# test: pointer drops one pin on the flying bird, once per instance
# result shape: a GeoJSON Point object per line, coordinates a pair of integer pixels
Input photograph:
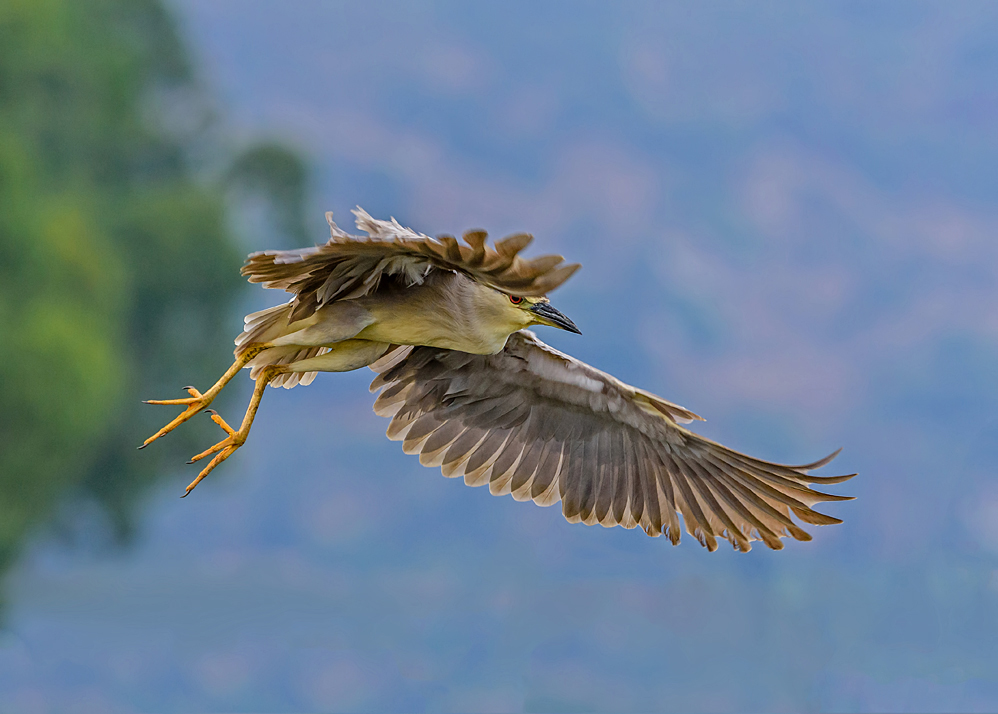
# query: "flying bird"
{"type": "Point", "coordinates": [471, 390]}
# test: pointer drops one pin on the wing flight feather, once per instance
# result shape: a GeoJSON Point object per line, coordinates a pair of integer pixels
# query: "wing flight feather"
{"type": "Point", "coordinates": [540, 425]}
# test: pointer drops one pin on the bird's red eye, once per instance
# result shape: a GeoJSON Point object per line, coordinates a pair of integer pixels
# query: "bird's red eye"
{"type": "Point", "coordinates": [515, 299]}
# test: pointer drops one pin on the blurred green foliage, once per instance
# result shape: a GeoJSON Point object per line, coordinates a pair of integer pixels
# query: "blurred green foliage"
{"type": "Point", "coordinates": [117, 268]}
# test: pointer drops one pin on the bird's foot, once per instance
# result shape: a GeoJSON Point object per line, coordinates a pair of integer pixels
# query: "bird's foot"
{"type": "Point", "coordinates": [223, 449]}
{"type": "Point", "coordinates": [195, 403]}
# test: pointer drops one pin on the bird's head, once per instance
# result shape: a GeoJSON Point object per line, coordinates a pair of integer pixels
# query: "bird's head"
{"type": "Point", "coordinates": [527, 311]}
{"type": "Point", "coordinates": [489, 316]}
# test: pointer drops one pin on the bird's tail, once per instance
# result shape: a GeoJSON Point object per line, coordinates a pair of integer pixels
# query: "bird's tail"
{"type": "Point", "coordinates": [267, 325]}
{"type": "Point", "coordinates": [263, 326]}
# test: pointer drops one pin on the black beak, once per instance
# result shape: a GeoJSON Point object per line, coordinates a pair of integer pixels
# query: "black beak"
{"type": "Point", "coordinates": [553, 317]}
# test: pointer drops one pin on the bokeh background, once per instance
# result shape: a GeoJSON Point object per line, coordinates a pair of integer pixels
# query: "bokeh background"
{"type": "Point", "coordinates": [788, 221]}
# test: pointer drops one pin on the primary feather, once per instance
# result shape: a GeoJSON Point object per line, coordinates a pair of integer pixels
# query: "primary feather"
{"type": "Point", "coordinates": [538, 424]}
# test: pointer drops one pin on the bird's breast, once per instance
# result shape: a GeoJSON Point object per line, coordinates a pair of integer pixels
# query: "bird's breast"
{"type": "Point", "coordinates": [432, 332]}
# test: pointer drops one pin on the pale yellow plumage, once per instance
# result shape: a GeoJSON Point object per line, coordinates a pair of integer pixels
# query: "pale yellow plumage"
{"type": "Point", "coordinates": [471, 391]}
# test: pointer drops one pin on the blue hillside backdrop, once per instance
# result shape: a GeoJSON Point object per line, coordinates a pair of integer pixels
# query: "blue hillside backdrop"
{"type": "Point", "coordinates": [787, 216]}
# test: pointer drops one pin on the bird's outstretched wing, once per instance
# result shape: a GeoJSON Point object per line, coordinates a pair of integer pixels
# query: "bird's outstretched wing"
{"type": "Point", "coordinates": [352, 266]}
{"type": "Point", "coordinates": [536, 423]}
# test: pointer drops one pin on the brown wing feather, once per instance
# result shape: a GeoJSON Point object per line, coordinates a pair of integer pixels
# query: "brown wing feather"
{"type": "Point", "coordinates": [539, 424]}
{"type": "Point", "coordinates": [351, 266]}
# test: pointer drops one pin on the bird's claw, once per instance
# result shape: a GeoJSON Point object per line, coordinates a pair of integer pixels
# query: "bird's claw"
{"type": "Point", "coordinates": [194, 403]}
{"type": "Point", "coordinates": [195, 396]}
{"type": "Point", "coordinates": [226, 452]}
{"type": "Point", "coordinates": [217, 418]}
{"type": "Point", "coordinates": [234, 438]}
{"type": "Point", "coordinates": [225, 448]}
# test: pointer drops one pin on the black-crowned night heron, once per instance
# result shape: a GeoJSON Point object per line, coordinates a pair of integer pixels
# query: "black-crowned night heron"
{"type": "Point", "coordinates": [472, 391]}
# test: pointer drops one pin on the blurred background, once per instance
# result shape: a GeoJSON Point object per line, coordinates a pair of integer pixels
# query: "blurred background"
{"type": "Point", "coordinates": [787, 218]}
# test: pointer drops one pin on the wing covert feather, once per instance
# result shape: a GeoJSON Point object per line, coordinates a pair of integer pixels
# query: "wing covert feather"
{"type": "Point", "coordinates": [538, 424]}
{"type": "Point", "coordinates": [350, 266]}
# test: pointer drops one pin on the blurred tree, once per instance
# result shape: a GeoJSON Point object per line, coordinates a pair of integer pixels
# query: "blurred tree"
{"type": "Point", "coordinates": [274, 180]}
{"type": "Point", "coordinates": [117, 268]}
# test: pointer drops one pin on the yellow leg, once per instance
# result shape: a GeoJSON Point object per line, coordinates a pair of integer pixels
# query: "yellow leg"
{"type": "Point", "coordinates": [227, 446]}
{"type": "Point", "coordinates": [197, 401]}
